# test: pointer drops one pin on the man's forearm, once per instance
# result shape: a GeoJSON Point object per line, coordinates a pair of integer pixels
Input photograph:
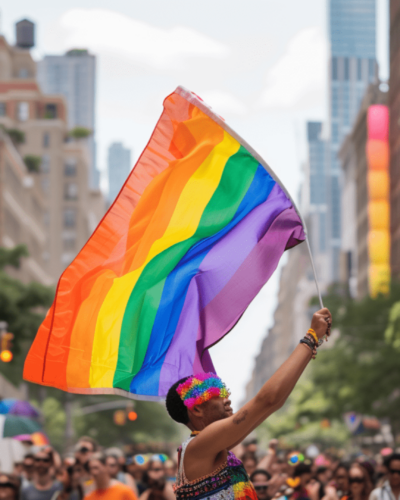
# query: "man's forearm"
{"type": "Point", "coordinates": [277, 389]}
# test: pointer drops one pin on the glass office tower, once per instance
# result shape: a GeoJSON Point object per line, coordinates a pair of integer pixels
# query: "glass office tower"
{"type": "Point", "coordinates": [353, 67]}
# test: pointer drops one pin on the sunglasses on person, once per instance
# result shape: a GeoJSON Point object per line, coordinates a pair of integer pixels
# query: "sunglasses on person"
{"type": "Point", "coordinates": [394, 471]}
{"type": "Point", "coordinates": [356, 480]}
{"type": "Point", "coordinates": [156, 470]}
{"type": "Point", "coordinates": [8, 484]}
{"type": "Point", "coordinates": [260, 487]}
{"type": "Point", "coordinates": [84, 449]}
{"type": "Point", "coordinates": [44, 460]}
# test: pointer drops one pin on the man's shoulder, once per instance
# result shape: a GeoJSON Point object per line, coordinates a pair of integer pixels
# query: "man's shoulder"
{"type": "Point", "coordinates": [377, 492]}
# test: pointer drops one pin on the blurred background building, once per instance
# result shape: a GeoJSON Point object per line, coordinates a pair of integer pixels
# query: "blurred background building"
{"type": "Point", "coordinates": [334, 196]}
{"type": "Point", "coordinates": [46, 201]}
{"type": "Point", "coordinates": [118, 167]}
{"type": "Point", "coordinates": [394, 108]}
{"type": "Point", "coordinates": [352, 33]}
{"type": "Point", "coordinates": [73, 75]}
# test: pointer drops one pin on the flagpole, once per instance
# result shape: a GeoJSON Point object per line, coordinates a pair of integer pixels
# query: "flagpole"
{"type": "Point", "coordinates": [315, 272]}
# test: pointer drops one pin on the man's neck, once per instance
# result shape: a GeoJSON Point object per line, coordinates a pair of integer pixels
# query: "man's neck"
{"type": "Point", "coordinates": [43, 482]}
{"type": "Point", "coordinates": [102, 483]}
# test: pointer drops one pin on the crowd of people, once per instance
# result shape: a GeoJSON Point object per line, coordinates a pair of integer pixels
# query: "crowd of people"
{"type": "Point", "coordinates": [92, 473]}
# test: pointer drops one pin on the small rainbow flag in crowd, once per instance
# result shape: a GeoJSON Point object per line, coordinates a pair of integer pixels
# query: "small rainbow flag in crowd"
{"type": "Point", "coordinates": [195, 232]}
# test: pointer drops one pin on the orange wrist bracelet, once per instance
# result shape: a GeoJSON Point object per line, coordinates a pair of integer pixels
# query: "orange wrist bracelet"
{"type": "Point", "coordinates": [314, 335]}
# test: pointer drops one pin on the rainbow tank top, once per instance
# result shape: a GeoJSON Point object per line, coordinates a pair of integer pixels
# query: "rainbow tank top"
{"type": "Point", "coordinates": [229, 482]}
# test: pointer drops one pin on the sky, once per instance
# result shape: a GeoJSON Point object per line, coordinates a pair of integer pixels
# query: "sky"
{"type": "Point", "coordinates": [261, 64]}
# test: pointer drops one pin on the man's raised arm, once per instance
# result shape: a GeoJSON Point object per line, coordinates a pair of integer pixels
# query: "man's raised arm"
{"type": "Point", "coordinates": [224, 434]}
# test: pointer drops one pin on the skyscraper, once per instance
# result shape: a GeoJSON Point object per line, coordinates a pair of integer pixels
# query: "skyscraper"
{"type": "Point", "coordinates": [74, 76]}
{"type": "Point", "coordinates": [352, 68]}
{"type": "Point", "coordinates": [394, 106]}
{"type": "Point", "coordinates": [119, 166]}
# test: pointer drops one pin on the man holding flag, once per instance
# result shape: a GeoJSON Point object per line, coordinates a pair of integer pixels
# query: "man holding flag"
{"type": "Point", "coordinates": [207, 469]}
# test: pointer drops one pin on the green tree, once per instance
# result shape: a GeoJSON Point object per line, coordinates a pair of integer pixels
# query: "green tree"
{"type": "Point", "coordinates": [80, 132]}
{"type": "Point", "coordinates": [361, 372]}
{"type": "Point", "coordinates": [23, 307]}
{"type": "Point", "coordinates": [32, 163]}
{"type": "Point", "coordinates": [300, 421]}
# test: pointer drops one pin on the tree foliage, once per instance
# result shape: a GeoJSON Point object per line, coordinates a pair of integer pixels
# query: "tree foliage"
{"type": "Point", "coordinates": [32, 163]}
{"type": "Point", "coordinates": [361, 372]}
{"type": "Point", "coordinates": [300, 421]}
{"type": "Point", "coordinates": [23, 307]}
{"type": "Point", "coordinates": [80, 132]}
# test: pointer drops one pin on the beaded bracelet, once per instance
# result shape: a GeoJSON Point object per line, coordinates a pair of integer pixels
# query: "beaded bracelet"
{"type": "Point", "coordinates": [313, 334]}
{"type": "Point", "coordinates": [308, 343]}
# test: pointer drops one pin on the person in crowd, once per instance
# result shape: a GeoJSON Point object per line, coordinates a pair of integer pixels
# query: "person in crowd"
{"type": "Point", "coordinates": [69, 477]}
{"type": "Point", "coordinates": [260, 478]}
{"type": "Point", "coordinates": [302, 476]}
{"type": "Point", "coordinates": [157, 487]}
{"type": "Point", "coordinates": [28, 469]}
{"type": "Point", "coordinates": [106, 488]}
{"type": "Point", "coordinates": [201, 402]}
{"type": "Point", "coordinates": [341, 480]}
{"type": "Point", "coordinates": [360, 485]}
{"type": "Point", "coordinates": [136, 471]}
{"type": "Point", "coordinates": [249, 461]}
{"type": "Point", "coordinates": [115, 472]}
{"type": "Point", "coordinates": [170, 470]}
{"type": "Point", "coordinates": [10, 486]}
{"type": "Point", "coordinates": [390, 490]}
{"type": "Point", "coordinates": [84, 449]}
{"type": "Point", "coordinates": [43, 486]}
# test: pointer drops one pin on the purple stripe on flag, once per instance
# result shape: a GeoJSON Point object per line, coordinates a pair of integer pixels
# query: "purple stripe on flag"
{"type": "Point", "coordinates": [222, 313]}
{"type": "Point", "coordinates": [215, 272]}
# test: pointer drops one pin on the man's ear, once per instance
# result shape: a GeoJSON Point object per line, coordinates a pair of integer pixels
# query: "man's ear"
{"type": "Point", "coordinates": [196, 411]}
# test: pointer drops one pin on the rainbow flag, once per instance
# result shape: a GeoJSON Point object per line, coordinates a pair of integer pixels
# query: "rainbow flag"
{"type": "Point", "coordinates": [197, 229]}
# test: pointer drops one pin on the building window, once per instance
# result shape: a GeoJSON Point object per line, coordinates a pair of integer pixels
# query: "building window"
{"type": "Point", "coordinates": [45, 166]}
{"type": "Point", "coordinates": [335, 132]}
{"type": "Point", "coordinates": [69, 217]}
{"type": "Point", "coordinates": [46, 218]}
{"type": "Point", "coordinates": [50, 111]}
{"type": "Point", "coordinates": [46, 140]}
{"type": "Point", "coordinates": [359, 69]}
{"type": "Point", "coordinates": [334, 68]}
{"type": "Point", "coordinates": [371, 68]}
{"type": "Point", "coordinates": [3, 109]}
{"type": "Point", "coordinates": [69, 243]}
{"type": "Point", "coordinates": [346, 68]}
{"type": "Point", "coordinates": [46, 185]}
{"type": "Point", "coordinates": [23, 111]}
{"type": "Point", "coordinates": [70, 167]}
{"type": "Point", "coordinates": [70, 191]}
{"type": "Point", "coordinates": [23, 73]}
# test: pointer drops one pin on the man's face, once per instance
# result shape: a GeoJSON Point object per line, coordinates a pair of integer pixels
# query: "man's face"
{"type": "Point", "coordinates": [42, 463]}
{"type": "Point", "coordinates": [97, 469]}
{"type": "Point", "coordinates": [29, 467]}
{"type": "Point", "coordinates": [260, 483]}
{"type": "Point", "coordinates": [305, 479]}
{"type": "Point", "coordinates": [216, 409]}
{"type": "Point", "coordinates": [394, 473]}
{"type": "Point", "coordinates": [84, 451]}
{"type": "Point", "coordinates": [112, 466]}
{"type": "Point", "coordinates": [342, 479]}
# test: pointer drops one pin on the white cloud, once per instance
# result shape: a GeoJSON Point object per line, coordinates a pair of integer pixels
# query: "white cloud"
{"type": "Point", "coordinates": [106, 30]}
{"type": "Point", "coordinates": [223, 102]}
{"type": "Point", "coordinates": [299, 77]}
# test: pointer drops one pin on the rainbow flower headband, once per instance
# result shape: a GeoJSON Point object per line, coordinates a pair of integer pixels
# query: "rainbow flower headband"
{"type": "Point", "coordinates": [200, 388]}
